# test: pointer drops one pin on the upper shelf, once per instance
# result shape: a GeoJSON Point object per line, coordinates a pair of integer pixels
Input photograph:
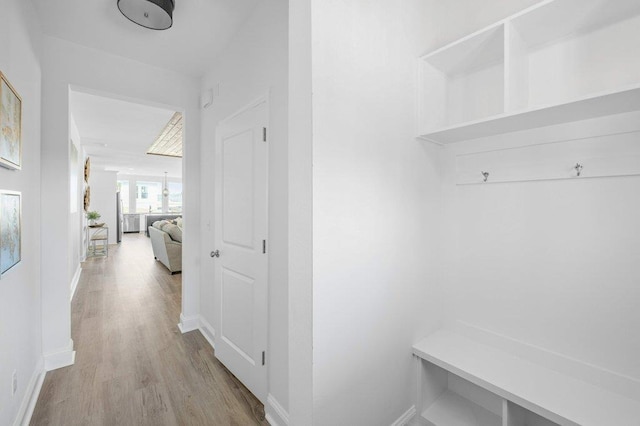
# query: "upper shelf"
{"type": "Point", "coordinates": [558, 61]}
{"type": "Point", "coordinates": [599, 105]}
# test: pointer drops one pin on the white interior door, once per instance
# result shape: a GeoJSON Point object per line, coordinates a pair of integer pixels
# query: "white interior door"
{"type": "Point", "coordinates": [241, 243]}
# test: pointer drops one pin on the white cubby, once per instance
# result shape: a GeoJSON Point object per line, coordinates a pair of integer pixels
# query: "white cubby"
{"type": "Point", "coordinates": [514, 415]}
{"type": "Point", "coordinates": [449, 400]}
{"type": "Point", "coordinates": [462, 382]}
{"type": "Point", "coordinates": [559, 61]}
{"type": "Point", "coordinates": [571, 49]}
{"type": "Point", "coordinates": [464, 81]}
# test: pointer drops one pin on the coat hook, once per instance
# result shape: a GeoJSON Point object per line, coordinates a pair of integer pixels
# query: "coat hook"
{"type": "Point", "coordinates": [578, 168]}
{"type": "Point", "coordinates": [485, 175]}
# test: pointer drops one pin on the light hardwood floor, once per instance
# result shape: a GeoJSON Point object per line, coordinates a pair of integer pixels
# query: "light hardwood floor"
{"type": "Point", "coordinates": [133, 366]}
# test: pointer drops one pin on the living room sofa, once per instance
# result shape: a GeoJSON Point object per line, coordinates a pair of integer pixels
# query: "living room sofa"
{"type": "Point", "coordinates": [166, 240]}
{"type": "Point", "coordinates": [151, 218]}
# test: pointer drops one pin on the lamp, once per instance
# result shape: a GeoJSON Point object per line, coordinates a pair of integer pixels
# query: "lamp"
{"type": "Point", "coordinates": [165, 191]}
{"type": "Point", "coordinates": [152, 14]}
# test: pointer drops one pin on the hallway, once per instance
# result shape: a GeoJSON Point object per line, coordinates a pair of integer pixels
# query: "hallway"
{"type": "Point", "coordinates": [133, 366]}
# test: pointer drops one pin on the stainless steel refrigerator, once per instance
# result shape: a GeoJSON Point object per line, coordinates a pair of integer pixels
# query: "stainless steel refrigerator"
{"type": "Point", "coordinates": [119, 216]}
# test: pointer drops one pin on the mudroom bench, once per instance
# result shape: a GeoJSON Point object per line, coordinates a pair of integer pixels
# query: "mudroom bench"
{"type": "Point", "coordinates": [465, 383]}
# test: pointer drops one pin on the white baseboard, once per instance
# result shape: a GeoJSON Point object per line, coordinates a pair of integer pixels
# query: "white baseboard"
{"type": "Point", "coordinates": [275, 414]}
{"type": "Point", "coordinates": [207, 331]}
{"type": "Point", "coordinates": [405, 418]}
{"type": "Point", "coordinates": [61, 358]}
{"type": "Point", "coordinates": [75, 280]}
{"type": "Point", "coordinates": [188, 324]}
{"type": "Point", "coordinates": [596, 375]}
{"type": "Point", "coordinates": [31, 395]}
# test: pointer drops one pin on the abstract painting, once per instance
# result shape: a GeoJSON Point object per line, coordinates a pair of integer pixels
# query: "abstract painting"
{"type": "Point", "coordinates": [10, 230]}
{"type": "Point", "coordinates": [10, 125]}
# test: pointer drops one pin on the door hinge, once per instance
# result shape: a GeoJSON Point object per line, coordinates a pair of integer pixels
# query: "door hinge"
{"type": "Point", "coordinates": [264, 134]}
{"type": "Point", "coordinates": [263, 357]}
{"type": "Point", "coordinates": [264, 246]}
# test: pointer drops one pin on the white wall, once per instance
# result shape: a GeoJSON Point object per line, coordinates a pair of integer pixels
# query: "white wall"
{"type": "Point", "coordinates": [67, 64]}
{"type": "Point", "coordinates": [300, 215]}
{"type": "Point", "coordinates": [376, 211]}
{"type": "Point", "coordinates": [20, 299]}
{"type": "Point", "coordinates": [103, 199]}
{"type": "Point", "coordinates": [76, 216]}
{"type": "Point", "coordinates": [253, 64]}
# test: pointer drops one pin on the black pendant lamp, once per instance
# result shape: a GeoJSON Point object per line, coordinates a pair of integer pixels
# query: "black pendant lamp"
{"type": "Point", "coordinates": [153, 14]}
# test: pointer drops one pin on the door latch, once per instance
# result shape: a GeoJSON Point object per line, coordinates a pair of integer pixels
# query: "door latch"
{"type": "Point", "coordinates": [215, 253]}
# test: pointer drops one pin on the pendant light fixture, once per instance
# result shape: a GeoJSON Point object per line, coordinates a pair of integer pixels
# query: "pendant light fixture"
{"type": "Point", "coordinates": [152, 14]}
{"type": "Point", "coordinates": [165, 191]}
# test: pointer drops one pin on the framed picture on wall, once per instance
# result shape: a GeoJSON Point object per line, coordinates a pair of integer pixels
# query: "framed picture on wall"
{"type": "Point", "coordinates": [10, 125]}
{"type": "Point", "coordinates": [10, 230]}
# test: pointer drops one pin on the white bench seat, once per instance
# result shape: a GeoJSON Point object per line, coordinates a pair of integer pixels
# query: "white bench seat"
{"type": "Point", "coordinates": [560, 398]}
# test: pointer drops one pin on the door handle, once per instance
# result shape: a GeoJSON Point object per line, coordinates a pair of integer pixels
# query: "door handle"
{"type": "Point", "coordinates": [215, 253]}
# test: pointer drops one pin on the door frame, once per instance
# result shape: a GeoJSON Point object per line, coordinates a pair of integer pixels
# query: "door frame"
{"type": "Point", "coordinates": [264, 98]}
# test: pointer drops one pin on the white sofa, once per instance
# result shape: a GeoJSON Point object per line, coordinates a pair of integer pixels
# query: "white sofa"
{"type": "Point", "coordinates": [166, 250]}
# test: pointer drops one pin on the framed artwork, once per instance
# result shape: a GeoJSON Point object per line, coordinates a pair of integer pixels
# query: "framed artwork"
{"type": "Point", "coordinates": [87, 198]}
{"type": "Point", "coordinates": [10, 230]}
{"type": "Point", "coordinates": [10, 126]}
{"type": "Point", "coordinates": [87, 169]}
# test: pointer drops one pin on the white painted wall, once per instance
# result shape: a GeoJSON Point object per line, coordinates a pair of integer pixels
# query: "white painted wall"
{"type": "Point", "coordinates": [103, 199]}
{"type": "Point", "coordinates": [67, 64]}
{"type": "Point", "coordinates": [300, 215]}
{"type": "Point", "coordinates": [376, 211]}
{"type": "Point", "coordinates": [253, 64]}
{"type": "Point", "coordinates": [20, 297]}
{"type": "Point", "coordinates": [76, 218]}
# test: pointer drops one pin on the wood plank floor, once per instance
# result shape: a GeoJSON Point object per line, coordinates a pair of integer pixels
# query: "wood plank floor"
{"type": "Point", "coordinates": [133, 366]}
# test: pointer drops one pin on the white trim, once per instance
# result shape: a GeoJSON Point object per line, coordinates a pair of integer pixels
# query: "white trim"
{"type": "Point", "coordinates": [275, 414]}
{"type": "Point", "coordinates": [62, 358]}
{"type": "Point", "coordinates": [75, 280]}
{"type": "Point", "coordinates": [406, 418]}
{"type": "Point", "coordinates": [188, 324]}
{"type": "Point", "coordinates": [207, 331]}
{"type": "Point", "coordinates": [31, 395]}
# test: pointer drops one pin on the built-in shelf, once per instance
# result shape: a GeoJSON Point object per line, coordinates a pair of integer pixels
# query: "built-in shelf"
{"type": "Point", "coordinates": [556, 62]}
{"type": "Point", "coordinates": [451, 409]}
{"type": "Point", "coordinates": [599, 105]}
{"type": "Point", "coordinates": [531, 394]}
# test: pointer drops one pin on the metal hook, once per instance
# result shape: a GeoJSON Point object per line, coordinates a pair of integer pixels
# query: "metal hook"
{"type": "Point", "coordinates": [486, 176]}
{"type": "Point", "coordinates": [578, 168]}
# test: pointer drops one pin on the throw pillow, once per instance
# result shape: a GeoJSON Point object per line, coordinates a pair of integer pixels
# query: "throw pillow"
{"type": "Point", "coordinates": [175, 233]}
{"type": "Point", "coordinates": [159, 224]}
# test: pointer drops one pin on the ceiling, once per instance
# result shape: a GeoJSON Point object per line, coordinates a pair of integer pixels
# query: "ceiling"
{"type": "Point", "coordinates": [201, 30]}
{"type": "Point", "coordinates": [116, 135]}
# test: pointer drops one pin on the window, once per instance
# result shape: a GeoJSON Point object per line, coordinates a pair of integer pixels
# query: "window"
{"type": "Point", "coordinates": [123, 187]}
{"type": "Point", "coordinates": [148, 197]}
{"type": "Point", "coordinates": [175, 197]}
